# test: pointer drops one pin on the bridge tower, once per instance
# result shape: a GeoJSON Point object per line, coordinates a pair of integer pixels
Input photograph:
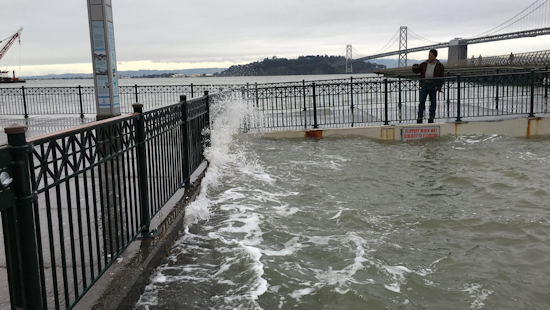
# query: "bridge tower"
{"type": "Point", "coordinates": [349, 59]}
{"type": "Point", "coordinates": [458, 50]}
{"type": "Point", "coordinates": [402, 46]}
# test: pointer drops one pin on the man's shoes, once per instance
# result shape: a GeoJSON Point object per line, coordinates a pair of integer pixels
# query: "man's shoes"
{"type": "Point", "coordinates": [419, 121]}
{"type": "Point", "coordinates": [430, 120]}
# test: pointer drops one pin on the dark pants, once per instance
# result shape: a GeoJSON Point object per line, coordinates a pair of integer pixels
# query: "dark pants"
{"type": "Point", "coordinates": [424, 92]}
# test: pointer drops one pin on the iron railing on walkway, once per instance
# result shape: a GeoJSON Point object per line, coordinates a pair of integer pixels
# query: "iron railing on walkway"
{"type": "Point", "coordinates": [80, 100]}
{"type": "Point", "coordinates": [394, 101]}
{"type": "Point", "coordinates": [83, 194]}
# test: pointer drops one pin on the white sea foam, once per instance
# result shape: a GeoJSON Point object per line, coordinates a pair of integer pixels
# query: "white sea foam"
{"type": "Point", "coordinates": [340, 280]}
{"type": "Point", "coordinates": [257, 286]}
{"type": "Point", "coordinates": [227, 115]}
{"type": "Point", "coordinates": [398, 274]}
{"type": "Point", "coordinates": [337, 215]}
{"type": "Point", "coordinates": [297, 294]}
{"type": "Point", "coordinates": [292, 246]}
{"type": "Point", "coordinates": [285, 211]}
{"type": "Point", "coordinates": [478, 293]}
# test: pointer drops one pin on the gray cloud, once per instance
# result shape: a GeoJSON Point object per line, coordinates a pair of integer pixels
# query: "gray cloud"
{"type": "Point", "coordinates": [237, 31]}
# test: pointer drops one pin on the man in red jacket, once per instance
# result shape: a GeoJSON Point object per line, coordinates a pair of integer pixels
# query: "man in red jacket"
{"type": "Point", "coordinates": [429, 69]}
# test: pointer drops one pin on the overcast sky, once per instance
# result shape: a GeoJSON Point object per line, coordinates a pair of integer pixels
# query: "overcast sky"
{"type": "Point", "coordinates": [179, 34]}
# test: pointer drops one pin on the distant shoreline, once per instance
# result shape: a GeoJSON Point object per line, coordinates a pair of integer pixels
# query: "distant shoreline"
{"type": "Point", "coordinates": [131, 74]}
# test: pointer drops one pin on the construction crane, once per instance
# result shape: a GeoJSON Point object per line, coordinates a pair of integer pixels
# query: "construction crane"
{"type": "Point", "coordinates": [3, 74]}
{"type": "Point", "coordinates": [10, 42]}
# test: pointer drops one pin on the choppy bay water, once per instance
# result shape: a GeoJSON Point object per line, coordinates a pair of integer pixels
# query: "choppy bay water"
{"type": "Point", "coordinates": [351, 223]}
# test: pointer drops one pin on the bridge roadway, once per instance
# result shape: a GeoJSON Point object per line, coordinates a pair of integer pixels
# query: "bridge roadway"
{"type": "Point", "coordinates": [459, 42]}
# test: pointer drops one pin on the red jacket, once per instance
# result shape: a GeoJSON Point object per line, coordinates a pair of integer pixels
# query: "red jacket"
{"type": "Point", "coordinates": [439, 71]}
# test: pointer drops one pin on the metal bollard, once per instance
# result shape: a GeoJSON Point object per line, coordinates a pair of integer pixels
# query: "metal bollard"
{"type": "Point", "coordinates": [27, 268]}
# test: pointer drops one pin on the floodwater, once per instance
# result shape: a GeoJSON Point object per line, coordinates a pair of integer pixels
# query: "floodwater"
{"type": "Point", "coordinates": [458, 222]}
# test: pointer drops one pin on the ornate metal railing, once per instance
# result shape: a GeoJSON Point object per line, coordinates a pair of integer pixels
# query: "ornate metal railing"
{"type": "Point", "coordinates": [83, 194]}
{"type": "Point", "coordinates": [81, 100]}
{"type": "Point", "coordinates": [394, 101]}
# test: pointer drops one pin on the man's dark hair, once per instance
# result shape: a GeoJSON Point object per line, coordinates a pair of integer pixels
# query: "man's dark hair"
{"type": "Point", "coordinates": [434, 52]}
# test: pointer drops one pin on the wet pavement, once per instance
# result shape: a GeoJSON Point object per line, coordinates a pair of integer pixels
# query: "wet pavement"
{"type": "Point", "coordinates": [39, 125]}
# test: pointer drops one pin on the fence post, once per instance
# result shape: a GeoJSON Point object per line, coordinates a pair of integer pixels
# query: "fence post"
{"type": "Point", "coordinates": [257, 97]}
{"type": "Point", "coordinates": [315, 125]}
{"type": "Point", "coordinates": [448, 95]}
{"type": "Point", "coordinates": [547, 83]}
{"type": "Point", "coordinates": [185, 146]}
{"type": "Point", "coordinates": [247, 92]}
{"type": "Point", "coordinates": [207, 121]}
{"type": "Point", "coordinates": [496, 94]}
{"type": "Point", "coordinates": [458, 117]}
{"type": "Point", "coordinates": [192, 91]}
{"type": "Point", "coordinates": [351, 97]}
{"type": "Point", "coordinates": [136, 93]}
{"type": "Point", "coordinates": [80, 98]}
{"type": "Point", "coordinates": [386, 122]}
{"type": "Point", "coordinates": [400, 99]}
{"type": "Point", "coordinates": [142, 171]}
{"type": "Point", "coordinates": [27, 267]}
{"type": "Point", "coordinates": [24, 101]}
{"type": "Point", "coordinates": [304, 99]}
{"type": "Point", "coordinates": [532, 108]}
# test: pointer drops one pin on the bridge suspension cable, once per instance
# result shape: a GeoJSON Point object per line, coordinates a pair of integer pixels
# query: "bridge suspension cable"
{"type": "Point", "coordinates": [420, 38]}
{"type": "Point", "coordinates": [357, 54]}
{"type": "Point", "coordinates": [392, 41]}
{"type": "Point", "coordinates": [534, 16]}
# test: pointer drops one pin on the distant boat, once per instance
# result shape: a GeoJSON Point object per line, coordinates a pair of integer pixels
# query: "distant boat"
{"type": "Point", "coordinates": [4, 78]}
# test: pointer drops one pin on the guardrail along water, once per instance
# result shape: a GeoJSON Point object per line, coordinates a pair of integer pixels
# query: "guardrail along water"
{"type": "Point", "coordinates": [83, 194]}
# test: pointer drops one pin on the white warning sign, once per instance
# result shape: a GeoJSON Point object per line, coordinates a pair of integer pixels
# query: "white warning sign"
{"type": "Point", "coordinates": [416, 133]}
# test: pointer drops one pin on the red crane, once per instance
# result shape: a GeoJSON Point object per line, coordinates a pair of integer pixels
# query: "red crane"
{"type": "Point", "coordinates": [3, 51]}
{"type": "Point", "coordinates": [10, 42]}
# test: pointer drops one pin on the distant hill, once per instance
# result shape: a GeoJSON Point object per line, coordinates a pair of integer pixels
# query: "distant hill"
{"type": "Point", "coordinates": [304, 65]}
{"type": "Point", "coordinates": [136, 73]}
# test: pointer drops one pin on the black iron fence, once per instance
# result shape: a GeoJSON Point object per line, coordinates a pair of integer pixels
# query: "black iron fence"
{"type": "Point", "coordinates": [393, 101]}
{"type": "Point", "coordinates": [80, 100]}
{"type": "Point", "coordinates": [73, 200]}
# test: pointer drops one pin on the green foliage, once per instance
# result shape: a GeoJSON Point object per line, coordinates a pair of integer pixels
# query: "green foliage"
{"type": "Point", "coordinates": [304, 65]}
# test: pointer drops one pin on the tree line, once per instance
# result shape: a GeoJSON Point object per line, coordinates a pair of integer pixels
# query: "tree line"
{"type": "Point", "coordinates": [303, 65]}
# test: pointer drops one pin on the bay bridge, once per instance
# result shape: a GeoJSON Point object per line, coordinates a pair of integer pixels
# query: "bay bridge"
{"type": "Point", "coordinates": [533, 21]}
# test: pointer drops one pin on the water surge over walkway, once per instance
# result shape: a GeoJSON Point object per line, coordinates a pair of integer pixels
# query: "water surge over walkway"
{"type": "Point", "coordinates": [351, 223]}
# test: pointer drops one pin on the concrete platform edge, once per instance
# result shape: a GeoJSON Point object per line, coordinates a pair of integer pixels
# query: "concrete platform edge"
{"type": "Point", "coordinates": [513, 126]}
{"type": "Point", "coordinates": [124, 282]}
